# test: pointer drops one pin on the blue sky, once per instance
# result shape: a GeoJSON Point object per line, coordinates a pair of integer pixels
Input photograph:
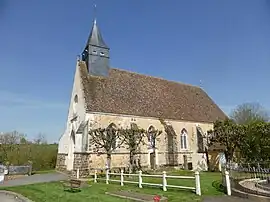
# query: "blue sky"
{"type": "Point", "coordinates": [225, 44]}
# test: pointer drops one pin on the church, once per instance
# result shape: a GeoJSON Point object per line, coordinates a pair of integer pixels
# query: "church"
{"type": "Point", "coordinates": [102, 95]}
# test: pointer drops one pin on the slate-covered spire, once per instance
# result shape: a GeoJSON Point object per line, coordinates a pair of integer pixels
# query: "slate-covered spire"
{"type": "Point", "coordinates": [95, 37]}
{"type": "Point", "coordinates": [96, 53]}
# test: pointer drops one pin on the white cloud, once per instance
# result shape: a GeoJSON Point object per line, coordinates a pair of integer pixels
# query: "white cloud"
{"type": "Point", "coordinates": [10, 99]}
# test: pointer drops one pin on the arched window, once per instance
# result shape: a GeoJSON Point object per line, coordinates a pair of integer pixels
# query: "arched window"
{"type": "Point", "coordinates": [151, 140]}
{"type": "Point", "coordinates": [76, 99]}
{"type": "Point", "coordinates": [183, 140]}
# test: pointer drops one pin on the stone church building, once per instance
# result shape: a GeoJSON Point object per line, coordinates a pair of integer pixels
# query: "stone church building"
{"type": "Point", "coordinates": [102, 95]}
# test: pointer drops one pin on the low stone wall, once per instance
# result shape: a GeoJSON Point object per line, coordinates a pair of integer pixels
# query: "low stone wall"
{"type": "Point", "coordinates": [249, 186]}
{"type": "Point", "coordinates": [264, 185]}
{"type": "Point", "coordinates": [19, 170]}
{"type": "Point", "coordinates": [61, 162]}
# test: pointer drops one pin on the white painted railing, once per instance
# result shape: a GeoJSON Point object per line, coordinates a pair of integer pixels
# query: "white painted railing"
{"type": "Point", "coordinates": [228, 183]}
{"type": "Point", "coordinates": [164, 178]}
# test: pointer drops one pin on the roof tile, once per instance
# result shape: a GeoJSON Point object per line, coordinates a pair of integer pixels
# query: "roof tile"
{"type": "Point", "coordinates": [129, 93]}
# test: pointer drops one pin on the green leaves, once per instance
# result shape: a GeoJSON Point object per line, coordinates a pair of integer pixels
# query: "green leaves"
{"type": "Point", "coordinates": [252, 139]}
{"type": "Point", "coordinates": [256, 142]}
{"type": "Point", "coordinates": [227, 134]}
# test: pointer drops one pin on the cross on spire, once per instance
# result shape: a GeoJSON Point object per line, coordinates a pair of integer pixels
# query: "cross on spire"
{"type": "Point", "coordinates": [95, 13]}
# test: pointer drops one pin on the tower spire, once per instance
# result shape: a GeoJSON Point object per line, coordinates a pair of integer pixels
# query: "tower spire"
{"type": "Point", "coordinates": [96, 52]}
{"type": "Point", "coordinates": [95, 37]}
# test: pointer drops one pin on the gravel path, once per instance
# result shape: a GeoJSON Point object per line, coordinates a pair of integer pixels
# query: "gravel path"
{"type": "Point", "coordinates": [7, 196]}
{"type": "Point", "coordinates": [38, 178]}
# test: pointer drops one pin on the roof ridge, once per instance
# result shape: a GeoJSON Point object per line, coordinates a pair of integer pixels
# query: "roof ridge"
{"type": "Point", "coordinates": [155, 77]}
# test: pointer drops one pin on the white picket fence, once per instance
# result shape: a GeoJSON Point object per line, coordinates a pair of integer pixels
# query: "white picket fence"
{"type": "Point", "coordinates": [164, 178]}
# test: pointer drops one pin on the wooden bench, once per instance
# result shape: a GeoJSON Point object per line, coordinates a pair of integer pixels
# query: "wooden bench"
{"type": "Point", "coordinates": [72, 185]}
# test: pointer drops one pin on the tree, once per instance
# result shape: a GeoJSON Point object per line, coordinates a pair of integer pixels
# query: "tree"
{"type": "Point", "coordinates": [40, 139]}
{"type": "Point", "coordinates": [8, 143]}
{"type": "Point", "coordinates": [23, 140]}
{"type": "Point", "coordinates": [152, 136]}
{"type": "Point", "coordinates": [249, 112]}
{"type": "Point", "coordinates": [105, 139]}
{"type": "Point", "coordinates": [228, 134]}
{"type": "Point", "coordinates": [11, 138]}
{"type": "Point", "coordinates": [255, 146]}
{"type": "Point", "coordinates": [132, 137]}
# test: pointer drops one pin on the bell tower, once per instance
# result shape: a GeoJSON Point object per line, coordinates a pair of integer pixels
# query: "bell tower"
{"type": "Point", "coordinates": [96, 53]}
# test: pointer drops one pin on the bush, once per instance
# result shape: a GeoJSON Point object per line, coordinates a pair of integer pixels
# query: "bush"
{"type": "Point", "coordinates": [42, 156]}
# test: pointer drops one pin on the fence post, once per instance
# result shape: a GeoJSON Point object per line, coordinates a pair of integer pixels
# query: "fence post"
{"type": "Point", "coordinates": [164, 182]}
{"type": "Point", "coordinates": [140, 179]}
{"type": "Point", "coordinates": [197, 182]}
{"type": "Point", "coordinates": [78, 173]}
{"type": "Point", "coordinates": [254, 170]}
{"type": "Point", "coordinates": [95, 177]}
{"type": "Point", "coordinates": [107, 176]}
{"type": "Point", "coordinates": [228, 183]}
{"type": "Point", "coordinates": [122, 178]}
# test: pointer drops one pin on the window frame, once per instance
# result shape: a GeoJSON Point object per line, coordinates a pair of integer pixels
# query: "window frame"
{"type": "Point", "coordinates": [150, 137]}
{"type": "Point", "coordinates": [184, 139]}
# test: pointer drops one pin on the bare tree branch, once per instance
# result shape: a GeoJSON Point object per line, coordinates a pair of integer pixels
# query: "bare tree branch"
{"type": "Point", "coordinates": [249, 112]}
{"type": "Point", "coordinates": [132, 137]}
{"type": "Point", "coordinates": [104, 139]}
{"type": "Point", "coordinates": [40, 139]}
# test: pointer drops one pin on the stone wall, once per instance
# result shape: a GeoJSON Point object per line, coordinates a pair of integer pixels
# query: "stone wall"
{"type": "Point", "coordinates": [166, 155]}
{"type": "Point", "coordinates": [61, 162]}
{"type": "Point", "coordinates": [81, 162]}
{"type": "Point", "coordinates": [75, 109]}
{"type": "Point", "coordinates": [118, 160]}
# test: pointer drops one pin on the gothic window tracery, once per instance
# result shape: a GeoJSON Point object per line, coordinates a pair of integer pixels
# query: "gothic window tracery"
{"type": "Point", "coordinates": [183, 139]}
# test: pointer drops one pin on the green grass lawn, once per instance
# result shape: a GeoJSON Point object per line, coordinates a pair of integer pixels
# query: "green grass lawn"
{"type": "Point", "coordinates": [50, 192]}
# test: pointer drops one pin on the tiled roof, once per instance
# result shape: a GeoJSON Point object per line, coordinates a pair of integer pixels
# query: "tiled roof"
{"type": "Point", "coordinates": [129, 93]}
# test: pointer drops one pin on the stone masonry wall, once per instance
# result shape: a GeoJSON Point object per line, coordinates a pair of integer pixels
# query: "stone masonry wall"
{"type": "Point", "coordinates": [118, 160]}
{"type": "Point", "coordinates": [81, 162]}
{"type": "Point", "coordinates": [120, 156]}
{"type": "Point", "coordinates": [61, 162]}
